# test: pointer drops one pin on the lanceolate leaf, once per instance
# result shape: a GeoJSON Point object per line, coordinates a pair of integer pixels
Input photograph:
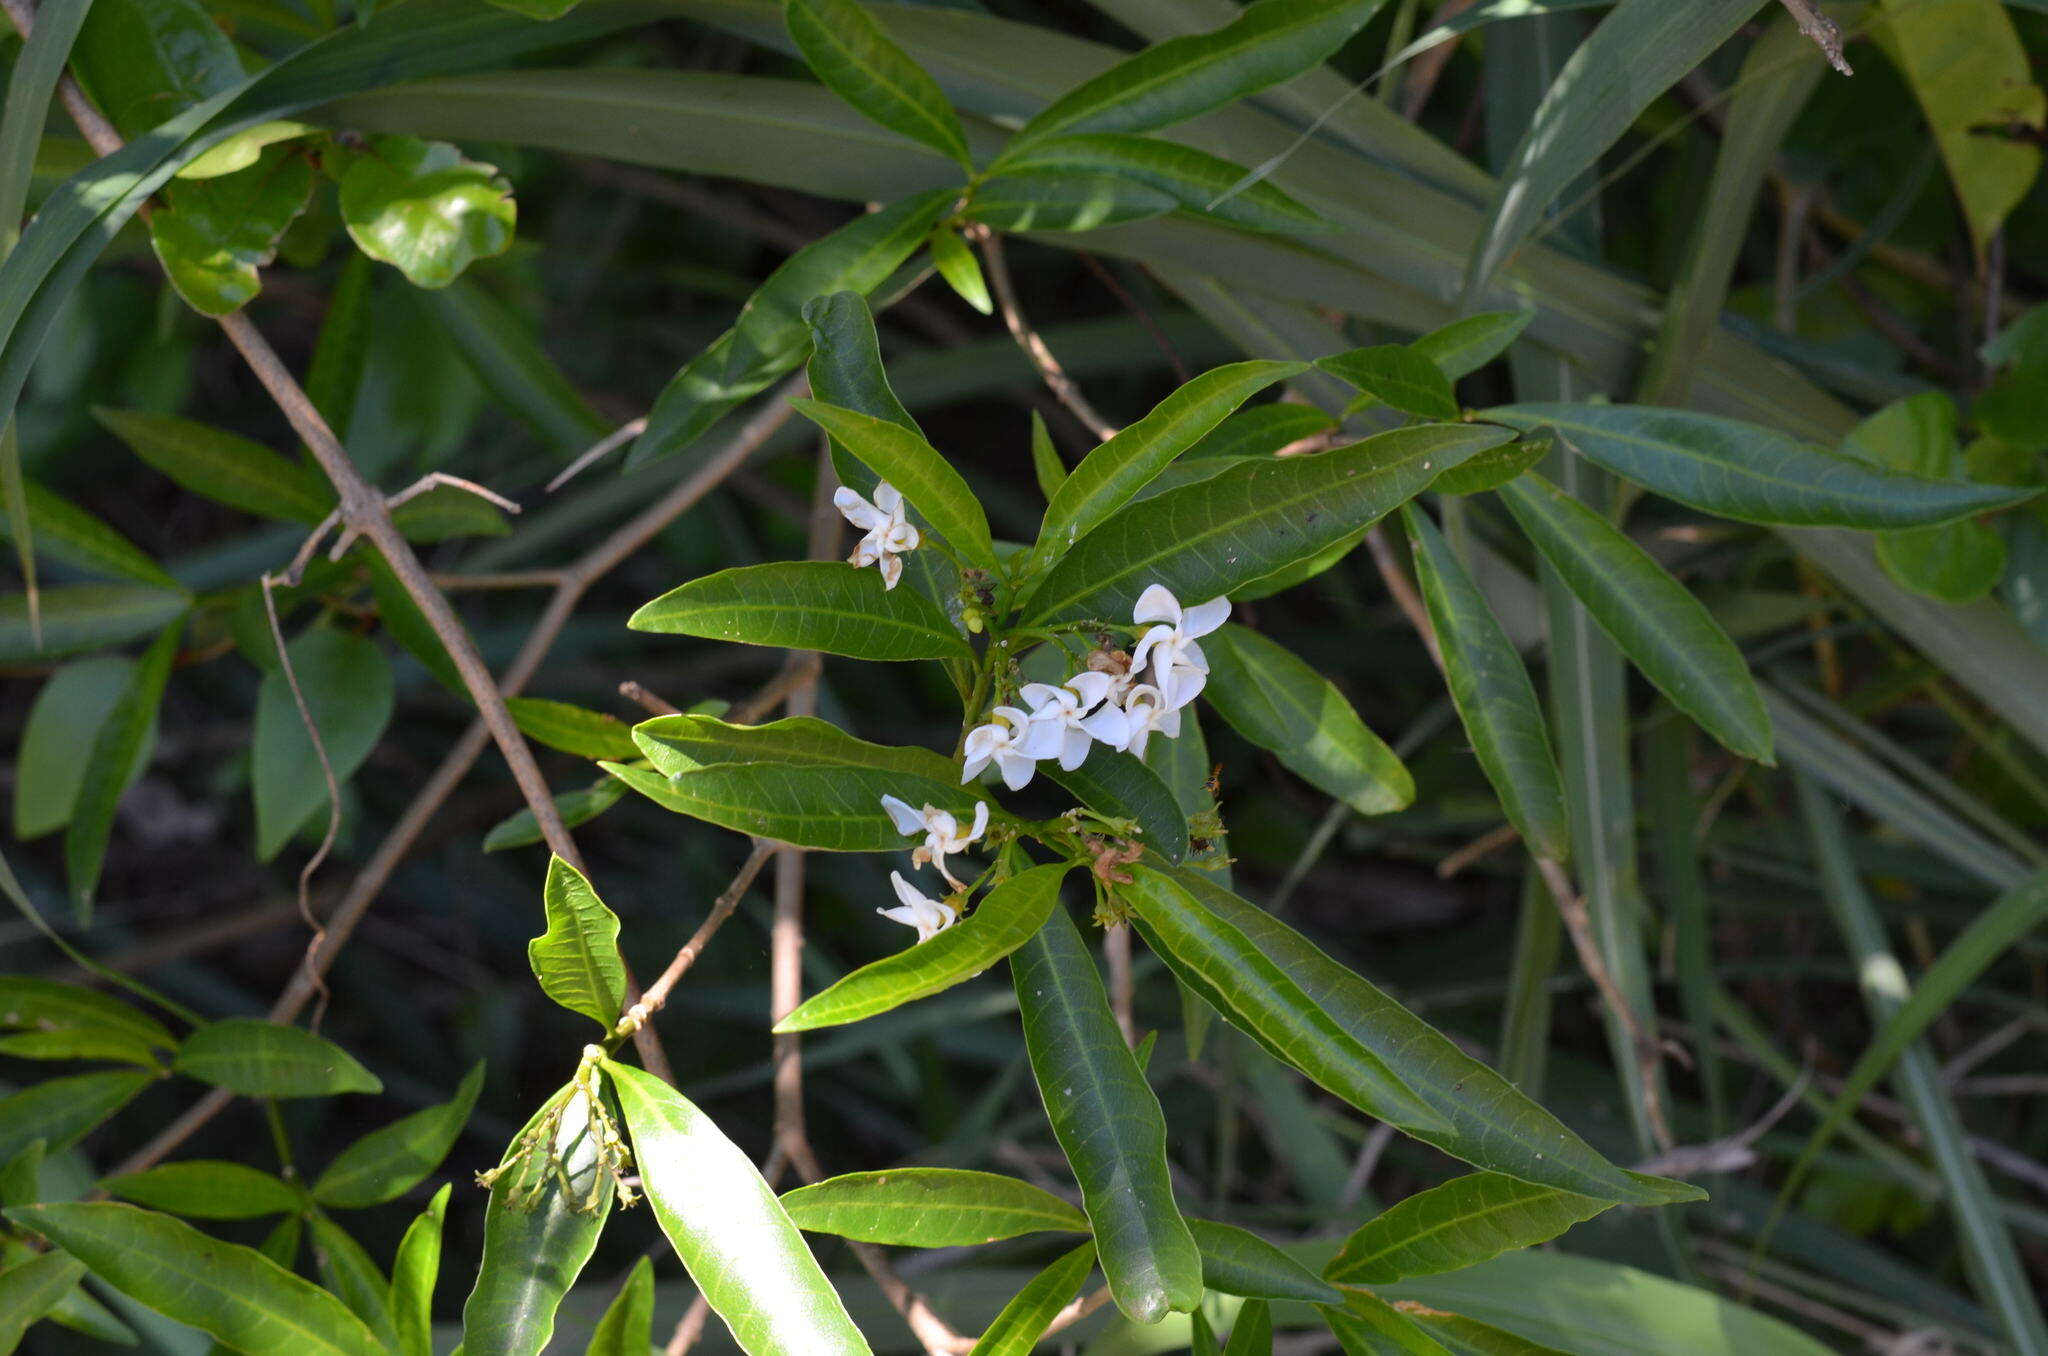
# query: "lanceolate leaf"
{"type": "Point", "coordinates": [80, 617]}
{"type": "Point", "coordinates": [385, 1164]}
{"type": "Point", "coordinates": [231, 1292]}
{"type": "Point", "coordinates": [32, 1288]}
{"type": "Point", "coordinates": [1212, 537]}
{"type": "Point", "coordinates": [1754, 474]}
{"type": "Point", "coordinates": [1458, 1224]}
{"type": "Point", "coordinates": [1118, 784]}
{"type": "Point", "coordinates": [1016, 1330]}
{"type": "Point", "coordinates": [202, 1189]}
{"type": "Point", "coordinates": [1198, 181]}
{"type": "Point", "coordinates": [414, 1272]}
{"type": "Point", "coordinates": [686, 743]}
{"type": "Point", "coordinates": [572, 729]}
{"type": "Point", "coordinates": [833, 808]}
{"type": "Point", "coordinates": [1464, 346]}
{"type": "Point", "coordinates": [852, 55]}
{"type": "Point", "coordinates": [929, 1208]}
{"type": "Point", "coordinates": [46, 1005]}
{"type": "Point", "coordinates": [627, 1328]}
{"type": "Point", "coordinates": [929, 483]}
{"type": "Point", "coordinates": [1252, 1332]}
{"type": "Point", "coordinates": [60, 530]}
{"type": "Point", "coordinates": [1653, 618]}
{"type": "Point", "coordinates": [265, 1059]}
{"type": "Point", "coordinates": [1003, 921]}
{"type": "Point", "coordinates": [807, 605]}
{"type": "Point", "coordinates": [345, 1268]}
{"type": "Point", "coordinates": [109, 767]}
{"type": "Point", "coordinates": [577, 958]}
{"type": "Point", "coordinates": [347, 685]}
{"type": "Point", "coordinates": [1239, 1262]}
{"type": "Point", "coordinates": [1495, 699]}
{"type": "Point", "coordinates": [73, 706]}
{"type": "Point", "coordinates": [1280, 703]}
{"type": "Point", "coordinates": [739, 1246]}
{"type": "Point", "coordinates": [1108, 1123]}
{"type": "Point", "coordinates": [1064, 200]}
{"type": "Point", "coordinates": [1472, 1112]}
{"type": "Point", "coordinates": [222, 466]}
{"type": "Point", "coordinates": [59, 1111]}
{"type": "Point", "coordinates": [1397, 376]}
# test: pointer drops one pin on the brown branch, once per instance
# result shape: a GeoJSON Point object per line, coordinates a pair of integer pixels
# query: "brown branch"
{"type": "Point", "coordinates": [1403, 591]}
{"type": "Point", "coordinates": [1116, 954]}
{"type": "Point", "coordinates": [652, 704]}
{"type": "Point", "coordinates": [1823, 31]}
{"type": "Point", "coordinates": [1049, 369]}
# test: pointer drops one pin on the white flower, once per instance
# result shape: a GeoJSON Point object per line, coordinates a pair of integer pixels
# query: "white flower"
{"type": "Point", "coordinates": [1146, 709]}
{"type": "Point", "coordinates": [1179, 668]}
{"type": "Point", "coordinates": [1012, 742]}
{"type": "Point", "coordinates": [942, 834]}
{"type": "Point", "coordinates": [889, 533]}
{"type": "Point", "coordinates": [1065, 711]}
{"type": "Point", "coordinates": [929, 916]}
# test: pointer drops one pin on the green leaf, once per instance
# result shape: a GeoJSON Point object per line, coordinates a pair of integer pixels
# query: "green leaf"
{"type": "Point", "coordinates": [1754, 474]}
{"type": "Point", "coordinates": [1369, 1326]}
{"type": "Point", "coordinates": [1959, 561]}
{"type": "Point", "coordinates": [1121, 785]}
{"type": "Point", "coordinates": [961, 270]}
{"type": "Point", "coordinates": [1496, 466]}
{"type": "Point", "coordinates": [213, 235]}
{"type": "Point", "coordinates": [60, 530]}
{"type": "Point", "coordinates": [109, 767]}
{"type": "Point", "coordinates": [1046, 467]}
{"type": "Point", "coordinates": [1239, 1262]}
{"type": "Point", "coordinates": [1279, 703]}
{"type": "Point", "coordinates": [1965, 63]}
{"type": "Point", "coordinates": [1468, 1337]}
{"type": "Point", "coordinates": [1063, 200]}
{"type": "Point", "coordinates": [446, 512]}
{"type": "Point", "coordinates": [30, 86]}
{"type": "Point", "coordinates": [1464, 346]}
{"type": "Point", "coordinates": [205, 1189]}
{"type": "Point", "coordinates": [385, 1164]}
{"type": "Point", "coordinates": [346, 1270]}
{"type": "Point", "coordinates": [1495, 699]}
{"type": "Point", "coordinates": [627, 1328]}
{"type": "Point", "coordinates": [73, 706]}
{"type": "Point", "coordinates": [1210, 538]}
{"type": "Point", "coordinates": [1252, 1333]}
{"type": "Point", "coordinates": [348, 688]}
{"type": "Point", "coordinates": [1460, 1223]}
{"type": "Point", "coordinates": [546, 1212]}
{"type": "Point", "coordinates": [264, 1059]}
{"type": "Point", "coordinates": [1348, 1036]}
{"type": "Point", "coordinates": [414, 1272]}
{"type": "Point", "coordinates": [47, 1006]}
{"type": "Point", "coordinates": [31, 1289]}
{"type": "Point", "coordinates": [144, 60]}
{"type": "Point", "coordinates": [79, 617]}
{"type": "Point", "coordinates": [1108, 1124]}
{"type": "Point", "coordinates": [929, 1207]}
{"type": "Point", "coordinates": [572, 729]}
{"type": "Point", "coordinates": [1172, 81]}
{"type": "Point", "coordinates": [928, 481]}
{"type": "Point", "coordinates": [1662, 627]}
{"type": "Point", "coordinates": [60, 1111]}
{"type": "Point", "coordinates": [577, 959]}
{"type": "Point", "coordinates": [858, 62]}
{"type": "Point", "coordinates": [807, 605]}
{"type": "Point", "coordinates": [234, 1293]}
{"type": "Point", "coordinates": [1016, 1330]}
{"type": "Point", "coordinates": [1110, 475]}
{"type": "Point", "coordinates": [244, 149]}
{"type": "Point", "coordinates": [1195, 180]}
{"type": "Point", "coordinates": [422, 208]}
{"type": "Point", "coordinates": [746, 1257]}
{"type": "Point", "coordinates": [221, 466]}
{"type": "Point", "coordinates": [770, 337]}
{"type": "Point", "coordinates": [532, 9]}
{"type": "Point", "coordinates": [1004, 920]}
{"type": "Point", "coordinates": [1260, 431]}
{"type": "Point", "coordinates": [520, 829]}
{"type": "Point", "coordinates": [1397, 376]}
{"type": "Point", "coordinates": [687, 743]}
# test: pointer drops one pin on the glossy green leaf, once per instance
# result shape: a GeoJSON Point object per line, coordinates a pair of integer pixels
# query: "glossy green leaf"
{"type": "Point", "coordinates": [807, 605]}
{"type": "Point", "coordinates": [60, 530]}
{"type": "Point", "coordinates": [1064, 200]}
{"type": "Point", "coordinates": [214, 235]}
{"type": "Point", "coordinates": [929, 483]}
{"type": "Point", "coordinates": [1495, 699]}
{"type": "Point", "coordinates": [1241, 525]}
{"type": "Point", "coordinates": [929, 1207]}
{"type": "Point", "coordinates": [348, 689]}
{"type": "Point", "coordinates": [521, 829]}
{"type": "Point", "coordinates": [1496, 466]}
{"type": "Point", "coordinates": [1958, 561]}
{"type": "Point", "coordinates": [627, 1328]}
{"type": "Point", "coordinates": [234, 1293]}
{"type": "Point", "coordinates": [264, 1059]}
{"type": "Point", "coordinates": [206, 1189]}
{"type": "Point", "coordinates": [1398, 377]}
{"type": "Point", "coordinates": [836, 809]}
{"type": "Point", "coordinates": [424, 209]}
{"type": "Point", "coordinates": [110, 765]}
{"type": "Point", "coordinates": [1196, 180]}
{"type": "Point", "coordinates": [1751, 473]}
{"type": "Point", "coordinates": [144, 60]}
{"type": "Point", "coordinates": [1016, 1330]}
{"type": "Point", "coordinates": [1175, 80]}
{"type": "Point", "coordinates": [1462, 1336]}
{"type": "Point", "coordinates": [688, 743]}
{"type": "Point", "coordinates": [961, 270]}
{"type": "Point", "coordinates": [1239, 1262]}
{"type": "Point", "coordinates": [1662, 627]}
{"type": "Point", "coordinates": [1252, 1332]}
{"type": "Point", "coordinates": [1348, 1036]}
{"type": "Point", "coordinates": [1004, 920]}
{"type": "Point", "coordinates": [244, 149]}
{"type": "Point", "coordinates": [1115, 783]}
{"type": "Point", "coordinates": [746, 1257]}
{"type": "Point", "coordinates": [385, 1164]}
{"type": "Point", "coordinates": [1369, 1326]}
{"type": "Point", "coordinates": [32, 1288]}
{"type": "Point", "coordinates": [1464, 346]}
{"type": "Point", "coordinates": [90, 1043]}
{"type": "Point", "coordinates": [45, 1005]}
{"type": "Point", "coordinates": [414, 1272]}
{"type": "Point", "coordinates": [1279, 703]}
{"type": "Point", "coordinates": [857, 61]}
{"type": "Point", "coordinates": [1460, 1223]}
{"type": "Point", "coordinates": [78, 617]}
{"type": "Point", "coordinates": [1110, 475]}
{"type": "Point", "coordinates": [221, 466]}
{"type": "Point", "coordinates": [1108, 1124]}
{"type": "Point", "coordinates": [1047, 468]}
{"type": "Point", "coordinates": [1261, 430]}
{"type": "Point", "coordinates": [572, 729]}
{"type": "Point", "coordinates": [770, 337]}
{"type": "Point", "coordinates": [577, 958]}
{"type": "Point", "coordinates": [60, 1111]}
{"type": "Point", "coordinates": [347, 1271]}
{"type": "Point", "coordinates": [1201, 1337]}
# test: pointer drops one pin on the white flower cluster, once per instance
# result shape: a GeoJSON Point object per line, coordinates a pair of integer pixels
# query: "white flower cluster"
{"type": "Point", "coordinates": [1119, 706]}
{"type": "Point", "coordinates": [889, 532]}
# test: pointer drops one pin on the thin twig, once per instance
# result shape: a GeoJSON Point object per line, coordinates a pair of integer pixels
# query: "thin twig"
{"type": "Point", "coordinates": [1403, 591]}
{"type": "Point", "coordinates": [1824, 32]}
{"type": "Point", "coordinates": [598, 451]}
{"type": "Point", "coordinates": [650, 703]}
{"type": "Point", "coordinates": [306, 872]}
{"type": "Point", "coordinates": [1055, 376]}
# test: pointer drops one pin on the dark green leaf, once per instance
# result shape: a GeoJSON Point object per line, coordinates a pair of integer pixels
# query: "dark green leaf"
{"type": "Point", "coordinates": [687, 743]}
{"type": "Point", "coordinates": [929, 1207]}
{"type": "Point", "coordinates": [205, 1189]}
{"type": "Point", "coordinates": [1239, 1262]}
{"type": "Point", "coordinates": [79, 617]}
{"type": "Point", "coordinates": [807, 605]}
{"type": "Point", "coordinates": [858, 62]}
{"type": "Point", "coordinates": [69, 712]}
{"type": "Point", "coordinates": [60, 530]}
{"type": "Point", "coordinates": [1252, 1333]}
{"type": "Point", "coordinates": [385, 1164]}
{"type": "Point", "coordinates": [572, 729]}
{"type": "Point", "coordinates": [420, 207]}
{"type": "Point", "coordinates": [44, 1005]}
{"type": "Point", "coordinates": [110, 766]}
{"type": "Point", "coordinates": [1464, 346]}
{"type": "Point", "coordinates": [1195, 180]}
{"type": "Point", "coordinates": [1121, 785]}
{"type": "Point", "coordinates": [521, 829]}
{"type": "Point", "coordinates": [221, 466]}
{"type": "Point", "coordinates": [1397, 376]}
{"type": "Point", "coordinates": [577, 958]}
{"type": "Point", "coordinates": [904, 459]}
{"type": "Point", "coordinates": [348, 688]}
{"type": "Point", "coordinates": [1462, 1222]}
{"type": "Point", "coordinates": [1064, 200]}
{"type": "Point", "coordinates": [1016, 1330]}
{"type": "Point", "coordinates": [145, 60]}
{"type": "Point", "coordinates": [1261, 430]}
{"type": "Point", "coordinates": [59, 1111]}
{"type": "Point", "coordinates": [1496, 466]}
{"type": "Point", "coordinates": [264, 1059]}
{"type": "Point", "coordinates": [212, 235]}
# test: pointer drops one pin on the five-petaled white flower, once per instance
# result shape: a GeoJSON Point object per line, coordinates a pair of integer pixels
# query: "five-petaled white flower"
{"type": "Point", "coordinates": [929, 916]}
{"type": "Point", "coordinates": [1012, 743]}
{"type": "Point", "coordinates": [1145, 710]}
{"type": "Point", "coordinates": [889, 533]}
{"type": "Point", "coordinates": [942, 833]}
{"type": "Point", "coordinates": [1179, 668]}
{"type": "Point", "coordinates": [1077, 713]}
